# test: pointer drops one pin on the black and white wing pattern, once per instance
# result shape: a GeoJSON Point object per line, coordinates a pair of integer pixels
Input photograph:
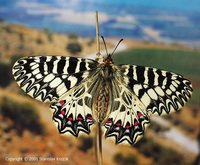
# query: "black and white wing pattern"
{"type": "Point", "coordinates": [128, 117]}
{"type": "Point", "coordinates": [121, 98]}
{"type": "Point", "coordinates": [72, 112]}
{"type": "Point", "coordinates": [161, 92]}
{"type": "Point", "coordinates": [61, 81]}
{"type": "Point", "coordinates": [48, 78]}
{"type": "Point", "coordinates": [139, 92]}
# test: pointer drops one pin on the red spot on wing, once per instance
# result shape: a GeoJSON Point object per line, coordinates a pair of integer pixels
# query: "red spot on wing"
{"type": "Point", "coordinates": [128, 126]}
{"type": "Point", "coordinates": [136, 123]}
{"type": "Point", "coordinates": [80, 119]}
{"type": "Point", "coordinates": [118, 124]}
{"type": "Point", "coordinates": [70, 119]}
{"type": "Point", "coordinates": [62, 112]}
{"type": "Point", "coordinates": [139, 114]}
{"type": "Point", "coordinates": [90, 118]}
{"type": "Point", "coordinates": [109, 121]}
{"type": "Point", "coordinates": [62, 102]}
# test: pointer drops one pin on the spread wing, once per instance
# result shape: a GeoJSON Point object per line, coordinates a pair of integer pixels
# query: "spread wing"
{"type": "Point", "coordinates": [70, 84]}
{"type": "Point", "coordinates": [139, 92]}
{"type": "Point", "coordinates": [48, 78]}
{"type": "Point", "coordinates": [73, 112]}
{"type": "Point", "coordinates": [64, 82]}
{"type": "Point", "coordinates": [128, 118]}
{"type": "Point", "coordinates": [161, 92]}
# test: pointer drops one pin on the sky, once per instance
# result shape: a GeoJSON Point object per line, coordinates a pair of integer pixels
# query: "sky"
{"type": "Point", "coordinates": [84, 14]}
{"type": "Point", "coordinates": [129, 18]}
{"type": "Point", "coordinates": [165, 4]}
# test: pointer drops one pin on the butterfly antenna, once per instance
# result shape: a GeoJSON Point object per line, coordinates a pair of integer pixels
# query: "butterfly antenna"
{"type": "Point", "coordinates": [116, 46]}
{"type": "Point", "coordinates": [105, 44]}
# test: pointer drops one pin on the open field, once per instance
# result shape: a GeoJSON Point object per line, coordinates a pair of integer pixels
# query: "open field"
{"type": "Point", "coordinates": [183, 62]}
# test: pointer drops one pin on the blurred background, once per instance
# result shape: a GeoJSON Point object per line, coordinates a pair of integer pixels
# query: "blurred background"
{"type": "Point", "coordinates": [161, 34]}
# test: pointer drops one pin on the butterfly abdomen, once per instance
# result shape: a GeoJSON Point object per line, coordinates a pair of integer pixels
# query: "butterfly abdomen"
{"type": "Point", "coordinates": [101, 102]}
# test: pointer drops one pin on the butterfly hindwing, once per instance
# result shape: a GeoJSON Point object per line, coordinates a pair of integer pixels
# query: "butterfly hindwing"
{"type": "Point", "coordinates": [161, 92]}
{"type": "Point", "coordinates": [128, 118]}
{"type": "Point", "coordinates": [47, 78]}
{"type": "Point", "coordinates": [73, 112]}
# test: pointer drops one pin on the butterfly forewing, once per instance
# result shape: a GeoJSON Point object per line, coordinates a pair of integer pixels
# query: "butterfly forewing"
{"type": "Point", "coordinates": [47, 78]}
{"type": "Point", "coordinates": [159, 91]}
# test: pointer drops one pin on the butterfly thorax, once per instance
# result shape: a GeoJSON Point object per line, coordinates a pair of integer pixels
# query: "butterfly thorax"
{"type": "Point", "coordinates": [107, 68]}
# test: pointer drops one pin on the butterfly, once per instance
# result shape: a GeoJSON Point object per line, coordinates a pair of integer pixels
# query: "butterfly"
{"type": "Point", "coordinates": [83, 92]}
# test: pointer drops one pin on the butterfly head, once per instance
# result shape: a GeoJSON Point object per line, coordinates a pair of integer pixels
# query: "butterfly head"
{"type": "Point", "coordinates": [106, 64]}
{"type": "Point", "coordinates": [108, 59]}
